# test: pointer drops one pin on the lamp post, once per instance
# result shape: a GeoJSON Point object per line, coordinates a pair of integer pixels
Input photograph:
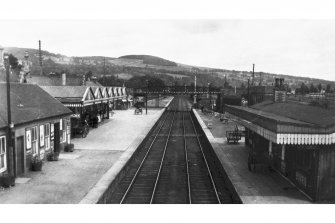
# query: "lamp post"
{"type": "Point", "coordinates": [210, 96]}
{"type": "Point", "coordinates": [248, 91]}
{"type": "Point", "coordinates": [10, 125]}
{"type": "Point", "coordinates": [146, 98]}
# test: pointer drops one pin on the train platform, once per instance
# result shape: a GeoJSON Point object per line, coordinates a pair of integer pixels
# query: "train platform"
{"type": "Point", "coordinates": [259, 187]}
{"type": "Point", "coordinates": [96, 159]}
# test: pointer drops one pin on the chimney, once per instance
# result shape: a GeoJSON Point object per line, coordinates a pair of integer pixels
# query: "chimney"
{"type": "Point", "coordinates": [279, 91]}
{"type": "Point", "coordinates": [64, 79]}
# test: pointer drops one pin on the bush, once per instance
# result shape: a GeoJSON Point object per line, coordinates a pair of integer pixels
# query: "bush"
{"type": "Point", "coordinates": [53, 156]}
{"type": "Point", "coordinates": [69, 148]}
{"type": "Point", "coordinates": [36, 163]}
{"type": "Point", "coordinates": [7, 180]}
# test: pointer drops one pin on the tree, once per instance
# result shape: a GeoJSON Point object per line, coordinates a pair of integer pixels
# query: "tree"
{"type": "Point", "coordinates": [328, 88]}
{"type": "Point", "coordinates": [140, 82]}
{"type": "Point", "coordinates": [303, 88]}
{"type": "Point", "coordinates": [319, 87]}
{"type": "Point", "coordinates": [312, 89]}
{"type": "Point", "coordinates": [13, 61]}
{"type": "Point", "coordinates": [88, 75]}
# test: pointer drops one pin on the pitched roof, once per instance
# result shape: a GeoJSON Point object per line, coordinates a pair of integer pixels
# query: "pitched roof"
{"type": "Point", "coordinates": [300, 112]}
{"type": "Point", "coordinates": [29, 103]}
{"type": "Point", "coordinates": [66, 91]}
{"type": "Point", "coordinates": [54, 81]}
{"type": "Point", "coordinates": [259, 113]}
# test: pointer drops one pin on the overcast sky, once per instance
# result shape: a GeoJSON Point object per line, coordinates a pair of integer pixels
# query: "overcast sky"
{"type": "Point", "coordinates": [294, 47]}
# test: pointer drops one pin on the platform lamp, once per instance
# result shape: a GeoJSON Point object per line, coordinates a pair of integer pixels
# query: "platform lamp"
{"type": "Point", "coordinates": [10, 125]}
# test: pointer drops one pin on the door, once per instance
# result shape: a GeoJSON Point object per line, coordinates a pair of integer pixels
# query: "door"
{"type": "Point", "coordinates": [57, 137]}
{"type": "Point", "coordinates": [19, 155]}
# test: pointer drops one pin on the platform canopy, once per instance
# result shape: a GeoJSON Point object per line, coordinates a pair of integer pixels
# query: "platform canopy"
{"type": "Point", "coordinates": [287, 123]}
{"type": "Point", "coordinates": [124, 92]}
{"type": "Point", "coordinates": [119, 91]}
{"type": "Point", "coordinates": [110, 92]}
{"type": "Point", "coordinates": [115, 92]}
{"type": "Point", "coordinates": [72, 96]}
{"type": "Point", "coordinates": [105, 94]}
{"type": "Point", "coordinates": [99, 98]}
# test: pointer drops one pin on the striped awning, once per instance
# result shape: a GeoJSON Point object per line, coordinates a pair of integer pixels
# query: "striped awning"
{"type": "Point", "coordinates": [73, 105]}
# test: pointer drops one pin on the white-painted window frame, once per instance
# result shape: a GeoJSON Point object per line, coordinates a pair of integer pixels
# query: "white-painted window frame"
{"type": "Point", "coordinates": [4, 154]}
{"type": "Point", "coordinates": [34, 140]}
{"type": "Point", "coordinates": [47, 136]}
{"type": "Point", "coordinates": [64, 130]}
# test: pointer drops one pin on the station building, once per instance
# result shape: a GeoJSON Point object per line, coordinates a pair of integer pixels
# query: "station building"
{"type": "Point", "coordinates": [93, 104]}
{"type": "Point", "coordinates": [296, 139]}
{"type": "Point", "coordinates": [40, 125]}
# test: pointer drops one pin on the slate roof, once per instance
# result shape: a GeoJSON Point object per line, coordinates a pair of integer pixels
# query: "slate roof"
{"type": "Point", "coordinates": [29, 103]}
{"type": "Point", "coordinates": [54, 81]}
{"type": "Point", "coordinates": [66, 91]}
{"type": "Point", "coordinates": [300, 112]}
{"type": "Point", "coordinates": [259, 113]}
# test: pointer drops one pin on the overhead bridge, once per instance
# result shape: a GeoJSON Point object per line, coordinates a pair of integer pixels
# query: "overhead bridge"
{"type": "Point", "coordinates": [177, 90]}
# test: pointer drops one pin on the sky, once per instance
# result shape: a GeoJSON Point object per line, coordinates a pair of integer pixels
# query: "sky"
{"type": "Point", "coordinates": [282, 46]}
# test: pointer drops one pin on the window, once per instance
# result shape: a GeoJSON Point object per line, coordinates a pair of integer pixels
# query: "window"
{"type": "Point", "coordinates": [34, 140]}
{"type": "Point", "coordinates": [64, 130]}
{"type": "Point", "coordinates": [42, 139]}
{"type": "Point", "coordinates": [47, 136]}
{"type": "Point", "coordinates": [68, 131]}
{"type": "Point", "coordinates": [3, 160]}
{"type": "Point", "coordinates": [28, 140]}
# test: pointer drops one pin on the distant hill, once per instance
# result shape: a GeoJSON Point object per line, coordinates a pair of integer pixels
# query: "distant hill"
{"type": "Point", "coordinates": [128, 66]}
{"type": "Point", "coordinates": [152, 60]}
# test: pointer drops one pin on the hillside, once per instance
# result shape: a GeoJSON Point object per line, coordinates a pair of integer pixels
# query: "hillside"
{"type": "Point", "coordinates": [128, 66]}
{"type": "Point", "coordinates": [150, 60]}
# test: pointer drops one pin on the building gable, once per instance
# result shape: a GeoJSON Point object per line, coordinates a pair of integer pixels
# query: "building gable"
{"type": "Point", "coordinates": [88, 95]}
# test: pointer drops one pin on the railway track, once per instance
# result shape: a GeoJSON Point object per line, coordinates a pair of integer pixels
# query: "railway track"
{"type": "Point", "coordinates": [173, 166]}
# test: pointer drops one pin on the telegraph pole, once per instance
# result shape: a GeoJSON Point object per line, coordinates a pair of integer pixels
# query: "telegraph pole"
{"type": "Point", "coordinates": [195, 84]}
{"type": "Point", "coordinates": [103, 78]}
{"type": "Point", "coordinates": [253, 74]}
{"type": "Point", "coordinates": [195, 90]}
{"type": "Point", "coordinates": [40, 56]}
{"type": "Point", "coordinates": [11, 151]}
{"type": "Point", "coordinates": [248, 92]}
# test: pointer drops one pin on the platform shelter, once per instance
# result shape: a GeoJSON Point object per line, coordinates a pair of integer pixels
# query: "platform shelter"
{"type": "Point", "coordinates": [295, 139]}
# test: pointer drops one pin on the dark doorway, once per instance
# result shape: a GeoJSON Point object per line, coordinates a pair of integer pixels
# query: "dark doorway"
{"type": "Point", "coordinates": [57, 137]}
{"type": "Point", "coordinates": [20, 155]}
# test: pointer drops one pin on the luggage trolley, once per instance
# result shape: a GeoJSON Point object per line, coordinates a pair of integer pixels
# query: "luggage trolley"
{"type": "Point", "coordinates": [234, 136]}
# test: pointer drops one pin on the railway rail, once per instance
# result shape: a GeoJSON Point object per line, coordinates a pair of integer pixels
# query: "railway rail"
{"type": "Point", "coordinates": [173, 166]}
